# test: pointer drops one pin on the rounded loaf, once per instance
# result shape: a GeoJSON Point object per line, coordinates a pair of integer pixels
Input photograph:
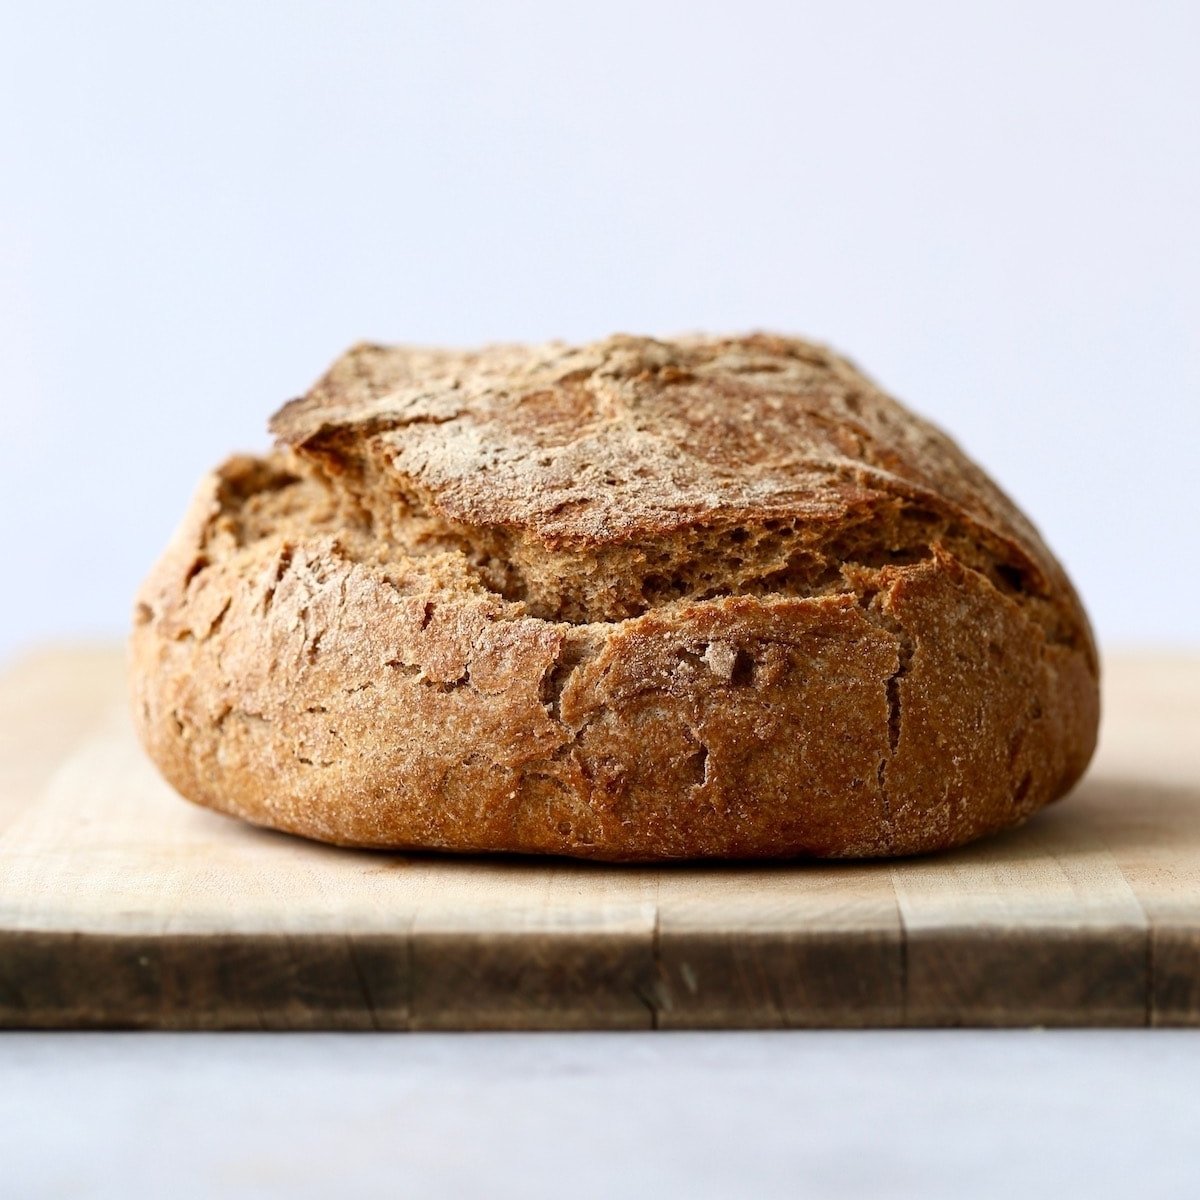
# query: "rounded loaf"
{"type": "Point", "coordinates": [635, 600]}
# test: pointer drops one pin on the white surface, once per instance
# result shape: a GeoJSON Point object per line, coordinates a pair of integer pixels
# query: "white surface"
{"type": "Point", "coordinates": [991, 205]}
{"type": "Point", "coordinates": [953, 1115]}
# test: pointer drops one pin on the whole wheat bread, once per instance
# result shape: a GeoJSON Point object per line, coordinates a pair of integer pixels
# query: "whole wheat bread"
{"type": "Point", "coordinates": [635, 600]}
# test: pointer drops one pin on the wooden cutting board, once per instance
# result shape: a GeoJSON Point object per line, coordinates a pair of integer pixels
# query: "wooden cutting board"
{"type": "Point", "coordinates": [121, 905]}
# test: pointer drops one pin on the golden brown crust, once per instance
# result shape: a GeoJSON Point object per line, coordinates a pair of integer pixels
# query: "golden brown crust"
{"type": "Point", "coordinates": [638, 600]}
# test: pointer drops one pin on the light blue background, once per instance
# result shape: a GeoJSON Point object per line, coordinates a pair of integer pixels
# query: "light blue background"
{"type": "Point", "coordinates": [992, 206]}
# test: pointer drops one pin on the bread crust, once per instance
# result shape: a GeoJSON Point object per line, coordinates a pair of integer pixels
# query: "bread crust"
{"type": "Point", "coordinates": [639, 600]}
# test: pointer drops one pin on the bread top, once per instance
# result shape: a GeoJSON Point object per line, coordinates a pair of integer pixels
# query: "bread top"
{"type": "Point", "coordinates": [596, 482]}
{"type": "Point", "coordinates": [631, 437]}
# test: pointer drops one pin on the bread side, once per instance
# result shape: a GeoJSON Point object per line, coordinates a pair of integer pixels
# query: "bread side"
{"type": "Point", "coordinates": [393, 633]}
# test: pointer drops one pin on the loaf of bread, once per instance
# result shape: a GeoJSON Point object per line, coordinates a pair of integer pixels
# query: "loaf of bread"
{"type": "Point", "coordinates": [638, 600]}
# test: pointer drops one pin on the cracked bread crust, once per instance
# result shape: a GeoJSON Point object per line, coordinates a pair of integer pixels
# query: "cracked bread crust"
{"type": "Point", "coordinates": [638, 600]}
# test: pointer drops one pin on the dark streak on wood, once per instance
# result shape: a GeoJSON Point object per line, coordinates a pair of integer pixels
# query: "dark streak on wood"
{"type": "Point", "coordinates": [1026, 976]}
{"type": "Point", "coordinates": [224, 981]}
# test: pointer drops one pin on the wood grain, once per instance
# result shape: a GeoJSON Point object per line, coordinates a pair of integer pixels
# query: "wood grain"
{"type": "Point", "coordinates": [122, 906]}
{"type": "Point", "coordinates": [48, 700]}
{"type": "Point", "coordinates": [782, 946]}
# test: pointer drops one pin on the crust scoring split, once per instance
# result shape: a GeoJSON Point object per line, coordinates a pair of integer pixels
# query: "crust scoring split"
{"type": "Point", "coordinates": [637, 600]}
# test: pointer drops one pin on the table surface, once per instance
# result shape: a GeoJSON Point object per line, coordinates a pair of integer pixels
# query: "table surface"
{"type": "Point", "coordinates": [925, 1115]}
